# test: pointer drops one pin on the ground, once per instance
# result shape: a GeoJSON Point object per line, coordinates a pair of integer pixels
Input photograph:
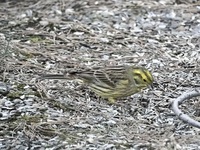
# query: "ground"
{"type": "Point", "coordinates": [39, 37]}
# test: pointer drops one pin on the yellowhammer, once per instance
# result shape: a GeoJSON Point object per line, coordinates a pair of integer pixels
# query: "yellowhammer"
{"type": "Point", "coordinates": [110, 82]}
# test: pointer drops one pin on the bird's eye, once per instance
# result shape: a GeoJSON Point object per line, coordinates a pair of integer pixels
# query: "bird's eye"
{"type": "Point", "coordinates": [144, 80]}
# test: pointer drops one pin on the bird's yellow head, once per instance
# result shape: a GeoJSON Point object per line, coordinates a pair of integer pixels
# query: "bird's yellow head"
{"type": "Point", "coordinates": [142, 77]}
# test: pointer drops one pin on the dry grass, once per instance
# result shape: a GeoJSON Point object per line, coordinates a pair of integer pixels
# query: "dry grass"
{"type": "Point", "coordinates": [53, 36]}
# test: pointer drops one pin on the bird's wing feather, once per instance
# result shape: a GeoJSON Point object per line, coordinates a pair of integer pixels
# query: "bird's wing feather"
{"type": "Point", "coordinates": [108, 75]}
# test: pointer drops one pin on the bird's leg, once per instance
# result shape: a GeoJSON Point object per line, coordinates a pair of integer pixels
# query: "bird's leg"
{"type": "Point", "coordinates": [111, 100]}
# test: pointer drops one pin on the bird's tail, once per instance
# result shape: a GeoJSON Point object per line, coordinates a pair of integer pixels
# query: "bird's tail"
{"type": "Point", "coordinates": [55, 76]}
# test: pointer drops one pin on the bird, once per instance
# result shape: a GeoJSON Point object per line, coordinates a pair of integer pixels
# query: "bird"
{"type": "Point", "coordinates": [110, 82]}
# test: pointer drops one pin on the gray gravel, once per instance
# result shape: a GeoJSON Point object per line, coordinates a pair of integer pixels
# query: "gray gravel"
{"type": "Point", "coordinates": [52, 36]}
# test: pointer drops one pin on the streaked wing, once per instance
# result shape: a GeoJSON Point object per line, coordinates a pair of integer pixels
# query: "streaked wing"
{"type": "Point", "coordinates": [107, 76]}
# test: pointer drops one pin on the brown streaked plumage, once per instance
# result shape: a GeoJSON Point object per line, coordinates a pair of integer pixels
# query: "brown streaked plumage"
{"type": "Point", "coordinates": [111, 82]}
